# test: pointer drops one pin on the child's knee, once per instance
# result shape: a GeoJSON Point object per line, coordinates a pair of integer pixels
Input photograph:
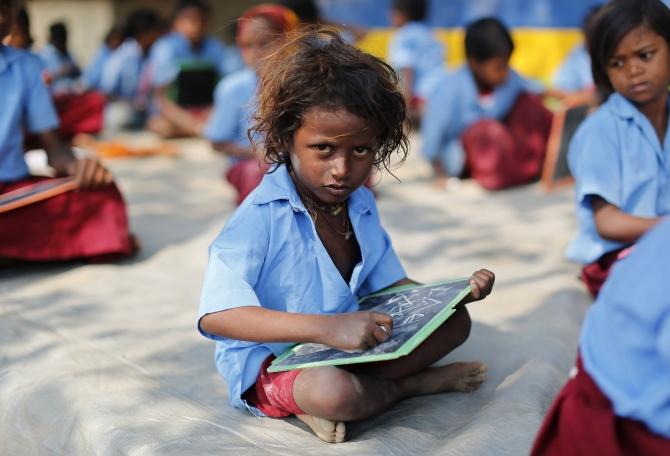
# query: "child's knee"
{"type": "Point", "coordinates": [463, 324]}
{"type": "Point", "coordinates": [338, 394]}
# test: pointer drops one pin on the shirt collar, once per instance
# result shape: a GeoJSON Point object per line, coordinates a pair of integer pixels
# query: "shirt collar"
{"type": "Point", "coordinates": [7, 55]}
{"type": "Point", "coordinates": [624, 108]}
{"type": "Point", "coordinates": [277, 185]}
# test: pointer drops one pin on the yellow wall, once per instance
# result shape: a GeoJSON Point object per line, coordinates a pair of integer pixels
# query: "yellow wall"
{"type": "Point", "coordinates": [537, 54]}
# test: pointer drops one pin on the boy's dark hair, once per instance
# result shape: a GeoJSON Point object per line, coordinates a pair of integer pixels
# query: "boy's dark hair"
{"type": "Point", "coordinates": [613, 22]}
{"type": "Point", "coordinates": [487, 38]}
{"type": "Point", "coordinates": [415, 10]}
{"type": "Point", "coordinates": [141, 20]}
{"type": "Point", "coordinates": [315, 67]}
{"type": "Point", "coordinates": [58, 33]}
{"type": "Point", "coordinates": [22, 21]}
{"type": "Point", "coordinates": [186, 4]}
{"type": "Point", "coordinates": [306, 10]}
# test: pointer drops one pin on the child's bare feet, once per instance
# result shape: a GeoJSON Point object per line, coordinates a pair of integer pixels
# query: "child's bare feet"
{"type": "Point", "coordinates": [327, 430]}
{"type": "Point", "coordinates": [462, 377]}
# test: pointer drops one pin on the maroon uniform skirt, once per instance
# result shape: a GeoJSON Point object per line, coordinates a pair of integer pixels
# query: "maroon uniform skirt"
{"type": "Point", "coordinates": [581, 421]}
{"type": "Point", "coordinates": [511, 152]}
{"type": "Point", "coordinates": [595, 274]}
{"type": "Point", "coordinates": [79, 224]}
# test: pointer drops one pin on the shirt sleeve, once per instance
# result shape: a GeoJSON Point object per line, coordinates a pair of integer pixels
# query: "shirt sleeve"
{"type": "Point", "coordinates": [223, 122]}
{"type": "Point", "coordinates": [400, 54]}
{"type": "Point", "coordinates": [164, 65]}
{"type": "Point", "coordinates": [40, 113]}
{"type": "Point", "coordinates": [437, 121]}
{"type": "Point", "coordinates": [235, 261]}
{"type": "Point", "coordinates": [593, 158]}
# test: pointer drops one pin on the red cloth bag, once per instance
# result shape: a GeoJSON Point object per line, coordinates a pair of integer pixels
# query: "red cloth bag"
{"type": "Point", "coordinates": [81, 113]}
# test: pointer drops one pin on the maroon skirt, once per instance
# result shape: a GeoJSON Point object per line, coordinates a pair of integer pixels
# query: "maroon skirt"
{"type": "Point", "coordinates": [79, 224]}
{"type": "Point", "coordinates": [581, 421]}
{"type": "Point", "coordinates": [595, 274]}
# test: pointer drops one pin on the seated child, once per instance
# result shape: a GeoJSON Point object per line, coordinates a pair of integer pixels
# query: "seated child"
{"type": "Point", "coordinates": [482, 119]}
{"type": "Point", "coordinates": [19, 36]}
{"type": "Point", "coordinates": [61, 69]}
{"type": "Point", "coordinates": [291, 262]}
{"type": "Point", "coordinates": [235, 96]}
{"type": "Point", "coordinates": [415, 54]}
{"type": "Point", "coordinates": [125, 78]}
{"type": "Point", "coordinates": [618, 155]}
{"type": "Point", "coordinates": [617, 400]}
{"type": "Point", "coordinates": [92, 76]}
{"type": "Point", "coordinates": [574, 77]}
{"type": "Point", "coordinates": [187, 50]}
{"type": "Point", "coordinates": [90, 223]}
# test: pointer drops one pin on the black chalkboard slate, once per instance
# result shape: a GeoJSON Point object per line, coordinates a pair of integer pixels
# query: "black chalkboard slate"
{"type": "Point", "coordinates": [417, 311]}
{"type": "Point", "coordinates": [563, 128]}
{"type": "Point", "coordinates": [195, 84]}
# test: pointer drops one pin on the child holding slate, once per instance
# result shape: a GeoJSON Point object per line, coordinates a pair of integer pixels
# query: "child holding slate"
{"type": "Point", "coordinates": [619, 155]}
{"type": "Point", "coordinates": [292, 261]}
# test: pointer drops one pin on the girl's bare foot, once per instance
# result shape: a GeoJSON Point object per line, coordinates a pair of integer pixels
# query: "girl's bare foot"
{"type": "Point", "coordinates": [327, 430]}
{"type": "Point", "coordinates": [462, 377]}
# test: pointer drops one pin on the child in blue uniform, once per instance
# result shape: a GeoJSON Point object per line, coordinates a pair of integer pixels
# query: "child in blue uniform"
{"type": "Point", "coordinates": [415, 53]}
{"type": "Point", "coordinates": [62, 71]}
{"type": "Point", "coordinates": [92, 76]}
{"type": "Point", "coordinates": [235, 96]}
{"type": "Point", "coordinates": [186, 45]}
{"type": "Point", "coordinates": [291, 262]}
{"type": "Point", "coordinates": [90, 223]}
{"type": "Point", "coordinates": [619, 155]}
{"type": "Point", "coordinates": [482, 118]}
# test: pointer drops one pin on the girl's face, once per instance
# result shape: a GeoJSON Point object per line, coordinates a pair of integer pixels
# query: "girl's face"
{"type": "Point", "coordinates": [332, 153]}
{"type": "Point", "coordinates": [255, 40]}
{"type": "Point", "coordinates": [639, 69]}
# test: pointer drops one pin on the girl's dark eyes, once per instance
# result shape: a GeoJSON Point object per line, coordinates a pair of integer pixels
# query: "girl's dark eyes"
{"type": "Point", "coordinates": [321, 147]}
{"type": "Point", "coordinates": [362, 150]}
{"type": "Point", "coordinates": [646, 55]}
{"type": "Point", "coordinates": [615, 63]}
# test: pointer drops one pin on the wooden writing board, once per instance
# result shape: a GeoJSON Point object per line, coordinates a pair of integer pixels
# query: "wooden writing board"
{"type": "Point", "coordinates": [35, 192]}
{"type": "Point", "coordinates": [555, 171]}
{"type": "Point", "coordinates": [417, 311]}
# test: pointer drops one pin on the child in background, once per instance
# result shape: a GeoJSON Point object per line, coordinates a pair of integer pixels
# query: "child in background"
{"type": "Point", "coordinates": [574, 77]}
{"type": "Point", "coordinates": [235, 96]}
{"type": "Point", "coordinates": [619, 155]}
{"type": "Point", "coordinates": [186, 45]}
{"type": "Point", "coordinates": [92, 76]}
{"type": "Point", "coordinates": [61, 69]}
{"type": "Point", "coordinates": [20, 37]}
{"type": "Point", "coordinates": [617, 401]}
{"type": "Point", "coordinates": [292, 261]}
{"type": "Point", "coordinates": [484, 118]}
{"type": "Point", "coordinates": [90, 223]}
{"type": "Point", "coordinates": [415, 54]}
{"type": "Point", "coordinates": [125, 78]}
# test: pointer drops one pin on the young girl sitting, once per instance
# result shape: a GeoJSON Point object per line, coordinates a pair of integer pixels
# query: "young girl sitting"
{"type": "Point", "coordinates": [619, 155]}
{"type": "Point", "coordinates": [291, 263]}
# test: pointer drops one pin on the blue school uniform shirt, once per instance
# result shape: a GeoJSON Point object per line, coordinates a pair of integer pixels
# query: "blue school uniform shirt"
{"type": "Point", "coordinates": [616, 154]}
{"type": "Point", "coordinates": [414, 46]}
{"type": "Point", "coordinates": [575, 72]}
{"type": "Point", "coordinates": [456, 104]}
{"type": "Point", "coordinates": [234, 103]}
{"type": "Point", "coordinates": [25, 105]}
{"type": "Point", "coordinates": [625, 341]}
{"type": "Point", "coordinates": [269, 255]}
{"type": "Point", "coordinates": [173, 49]}
{"type": "Point", "coordinates": [54, 60]}
{"type": "Point", "coordinates": [124, 70]}
{"type": "Point", "coordinates": [92, 76]}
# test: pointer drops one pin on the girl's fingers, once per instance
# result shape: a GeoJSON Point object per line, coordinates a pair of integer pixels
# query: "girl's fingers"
{"type": "Point", "coordinates": [380, 333]}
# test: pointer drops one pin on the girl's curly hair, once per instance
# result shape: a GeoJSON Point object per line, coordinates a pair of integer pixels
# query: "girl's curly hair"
{"type": "Point", "coordinates": [313, 66]}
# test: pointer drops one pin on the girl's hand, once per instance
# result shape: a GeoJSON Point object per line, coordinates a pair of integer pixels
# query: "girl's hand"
{"type": "Point", "coordinates": [481, 284]}
{"type": "Point", "coordinates": [356, 331]}
{"type": "Point", "coordinates": [89, 173]}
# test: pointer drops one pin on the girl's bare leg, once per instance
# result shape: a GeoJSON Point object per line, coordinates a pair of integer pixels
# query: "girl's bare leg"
{"type": "Point", "coordinates": [330, 396]}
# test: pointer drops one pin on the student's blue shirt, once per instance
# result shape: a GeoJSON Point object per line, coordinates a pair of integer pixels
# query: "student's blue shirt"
{"type": "Point", "coordinates": [173, 49]}
{"type": "Point", "coordinates": [575, 72]}
{"type": "Point", "coordinates": [54, 60]}
{"type": "Point", "coordinates": [25, 105]}
{"type": "Point", "coordinates": [625, 341]}
{"type": "Point", "coordinates": [456, 104]}
{"type": "Point", "coordinates": [269, 255]}
{"type": "Point", "coordinates": [92, 76]}
{"type": "Point", "coordinates": [414, 46]}
{"type": "Point", "coordinates": [123, 71]}
{"type": "Point", "coordinates": [616, 154]}
{"type": "Point", "coordinates": [234, 102]}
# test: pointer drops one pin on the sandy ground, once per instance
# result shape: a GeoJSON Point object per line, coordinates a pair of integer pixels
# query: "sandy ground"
{"type": "Point", "coordinates": [105, 359]}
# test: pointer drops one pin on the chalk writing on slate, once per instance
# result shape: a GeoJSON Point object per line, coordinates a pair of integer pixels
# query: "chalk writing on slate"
{"type": "Point", "coordinates": [416, 313]}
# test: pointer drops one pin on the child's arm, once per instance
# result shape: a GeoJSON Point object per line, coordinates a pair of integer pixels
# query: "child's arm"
{"type": "Point", "coordinates": [89, 173]}
{"type": "Point", "coordinates": [615, 225]}
{"type": "Point", "coordinates": [348, 331]}
{"type": "Point", "coordinates": [176, 114]}
{"type": "Point", "coordinates": [233, 149]}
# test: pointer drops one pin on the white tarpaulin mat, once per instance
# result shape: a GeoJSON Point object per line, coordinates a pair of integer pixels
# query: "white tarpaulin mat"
{"type": "Point", "coordinates": [105, 359]}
